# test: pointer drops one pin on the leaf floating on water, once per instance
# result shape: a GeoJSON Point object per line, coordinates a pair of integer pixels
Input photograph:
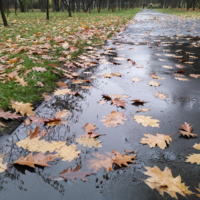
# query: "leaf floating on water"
{"type": "Point", "coordinates": [118, 102]}
{"type": "Point", "coordinates": [136, 79]}
{"type": "Point", "coordinates": [187, 130]}
{"type": "Point", "coordinates": [160, 140]}
{"type": "Point", "coordinates": [62, 114]}
{"type": "Point", "coordinates": [62, 92]}
{"type": "Point", "coordinates": [181, 79]}
{"type": "Point", "coordinates": [90, 142]}
{"type": "Point", "coordinates": [161, 95]}
{"type": "Point", "coordinates": [89, 127]}
{"type": "Point", "coordinates": [193, 158]}
{"type": "Point", "coordinates": [168, 67]}
{"type": "Point", "coordinates": [146, 120]}
{"type": "Point", "coordinates": [154, 83]}
{"type": "Point", "coordinates": [143, 110]}
{"type": "Point", "coordinates": [3, 166]}
{"type": "Point", "coordinates": [163, 181]}
{"type": "Point", "coordinates": [118, 96]}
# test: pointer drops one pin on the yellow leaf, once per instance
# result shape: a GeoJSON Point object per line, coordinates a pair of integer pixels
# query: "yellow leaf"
{"type": "Point", "coordinates": [23, 108]}
{"type": "Point", "coordinates": [90, 142]}
{"type": "Point", "coordinates": [146, 120]}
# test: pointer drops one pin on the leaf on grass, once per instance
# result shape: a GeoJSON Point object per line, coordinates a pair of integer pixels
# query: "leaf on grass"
{"type": "Point", "coordinates": [21, 81]}
{"type": "Point", "coordinates": [163, 181]}
{"type": "Point", "coordinates": [23, 108]}
{"type": "Point", "coordinates": [39, 69]}
{"type": "Point", "coordinates": [114, 119]}
{"type": "Point", "coordinates": [136, 79]}
{"type": "Point", "coordinates": [89, 127]}
{"type": "Point", "coordinates": [62, 114]}
{"type": "Point", "coordinates": [160, 140]}
{"type": "Point", "coordinates": [90, 142]}
{"type": "Point", "coordinates": [161, 95]}
{"type": "Point", "coordinates": [154, 83]}
{"type": "Point", "coordinates": [187, 130]}
{"type": "Point", "coordinates": [39, 159]}
{"type": "Point", "coordinates": [120, 159]}
{"type": "Point", "coordinates": [193, 158]}
{"type": "Point", "coordinates": [62, 92]}
{"type": "Point", "coordinates": [2, 125]}
{"type": "Point", "coordinates": [75, 174]}
{"type": "Point", "coordinates": [68, 153]}
{"type": "Point", "coordinates": [118, 102]}
{"type": "Point", "coordinates": [101, 161]}
{"type": "Point", "coordinates": [181, 79]}
{"type": "Point", "coordinates": [40, 84]}
{"type": "Point", "coordinates": [146, 120]}
{"type": "Point", "coordinates": [9, 115]}
{"type": "Point", "coordinates": [143, 110]}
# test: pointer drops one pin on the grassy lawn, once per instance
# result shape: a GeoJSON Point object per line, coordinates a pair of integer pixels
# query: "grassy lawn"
{"type": "Point", "coordinates": [31, 41]}
{"type": "Point", "coordinates": [182, 12]}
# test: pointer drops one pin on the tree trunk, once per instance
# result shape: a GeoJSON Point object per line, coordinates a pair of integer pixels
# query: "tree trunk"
{"type": "Point", "coordinates": [69, 9]}
{"type": "Point", "coordinates": [3, 15]}
{"type": "Point", "coordinates": [15, 7]}
{"type": "Point", "coordinates": [47, 9]}
{"type": "Point", "coordinates": [21, 3]}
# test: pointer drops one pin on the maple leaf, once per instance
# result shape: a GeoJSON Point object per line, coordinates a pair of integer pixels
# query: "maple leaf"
{"type": "Point", "coordinates": [46, 97]}
{"type": "Point", "coordinates": [163, 181]}
{"type": "Point", "coordinates": [136, 79]}
{"type": "Point", "coordinates": [62, 92]}
{"type": "Point", "coordinates": [62, 114]}
{"type": "Point", "coordinates": [39, 159]}
{"type": "Point", "coordinates": [154, 83]}
{"type": "Point", "coordinates": [89, 127]}
{"type": "Point", "coordinates": [40, 145]}
{"type": "Point", "coordinates": [21, 81]}
{"type": "Point", "coordinates": [118, 102]}
{"type": "Point", "coordinates": [143, 110]}
{"type": "Point", "coordinates": [62, 84]}
{"type": "Point", "coordinates": [3, 166]}
{"type": "Point", "coordinates": [9, 115]}
{"type": "Point", "coordinates": [159, 139]}
{"type": "Point", "coordinates": [120, 159]}
{"type": "Point", "coordinates": [39, 69]}
{"type": "Point", "coordinates": [193, 158]}
{"type": "Point", "coordinates": [75, 174]}
{"type": "Point", "coordinates": [90, 142]}
{"type": "Point", "coordinates": [161, 95]}
{"type": "Point", "coordinates": [196, 146]}
{"type": "Point", "coordinates": [23, 108]}
{"type": "Point", "coordinates": [114, 119]}
{"type": "Point", "coordinates": [187, 130]}
{"type": "Point", "coordinates": [101, 161]}
{"type": "Point", "coordinates": [68, 153]}
{"type": "Point", "coordinates": [38, 120]}
{"type": "Point", "coordinates": [146, 120]}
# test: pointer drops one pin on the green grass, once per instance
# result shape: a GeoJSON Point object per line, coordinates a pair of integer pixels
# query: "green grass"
{"type": "Point", "coordinates": [31, 28]}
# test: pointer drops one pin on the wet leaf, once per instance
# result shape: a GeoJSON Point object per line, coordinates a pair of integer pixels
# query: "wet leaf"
{"type": "Point", "coordinates": [136, 79]}
{"type": "Point", "coordinates": [90, 135]}
{"type": "Point", "coordinates": [168, 67]}
{"type": "Point", "coordinates": [61, 84]}
{"type": "Point", "coordinates": [154, 83]}
{"type": "Point", "coordinates": [62, 114]}
{"type": "Point", "coordinates": [195, 75]}
{"type": "Point", "coordinates": [117, 74]}
{"type": "Point", "coordinates": [160, 140]}
{"type": "Point", "coordinates": [138, 101]}
{"type": "Point", "coordinates": [131, 61]}
{"type": "Point", "coordinates": [2, 125]}
{"type": "Point", "coordinates": [198, 189]}
{"type": "Point", "coordinates": [9, 115]}
{"type": "Point", "coordinates": [161, 95]}
{"type": "Point", "coordinates": [62, 92]}
{"type": "Point", "coordinates": [163, 181]}
{"type": "Point", "coordinates": [120, 159]}
{"type": "Point", "coordinates": [118, 96]}
{"type": "Point", "coordinates": [86, 87]}
{"type": "Point", "coordinates": [39, 69]}
{"type": "Point", "coordinates": [78, 81]}
{"type": "Point", "coordinates": [114, 119]}
{"type": "Point", "coordinates": [187, 130]}
{"type": "Point", "coordinates": [106, 75]}
{"type": "Point", "coordinates": [102, 102]}
{"type": "Point", "coordinates": [89, 127]}
{"type": "Point", "coordinates": [23, 108]}
{"type": "Point", "coordinates": [52, 122]}
{"type": "Point", "coordinates": [3, 166]}
{"type": "Point", "coordinates": [118, 102]}
{"type": "Point", "coordinates": [181, 79]}
{"type": "Point", "coordinates": [146, 120]}
{"type": "Point", "coordinates": [46, 97]}
{"type": "Point", "coordinates": [179, 66]}
{"type": "Point", "coordinates": [105, 96]}
{"type": "Point", "coordinates": [75, 174]}
{"type": "Point", "coordinates": [38, 120]}
{"type": "Point", "coordinates": [143, 110]}
{"type": "Point", "coordinates": [154, 76]}
{"type": "Point", "coordinates": [27, 122]}
{"type": "Point", "coordinates": [90, 142]}
{"type": "Point", "coordinates": [119, 58]}
{"type": "Point", "coordinates": [39, 159]}
{"type": "Point", "coordinates": [193, 158]}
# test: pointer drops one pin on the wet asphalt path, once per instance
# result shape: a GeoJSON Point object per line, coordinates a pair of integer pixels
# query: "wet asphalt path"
{"type": "Point", "coordinates": [151, 40]}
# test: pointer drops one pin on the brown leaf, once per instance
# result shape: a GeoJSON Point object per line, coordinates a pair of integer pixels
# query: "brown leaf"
{"type": "Point", "coordinates": [53, 65]}
{"type": "Point", "coordinates": [118, 102]}
{"type": "Point", "coordinates": [102, 102]}
{"type": "Point", "coordinates": [195, 75]}
{"type": "Point", "coordinates": [120, 159]}
{"type": "Point", "coordinates": [12, 75]}
{"type": "Point", "coordinates": [39, 69]}
{"type": "Point", "coordinates": [105, 96]}
{"type": "Point", "coordinates": [40, 84]}
{"type": "Point", "coordinates": [62, 114]}
{"type": "Point", "coordinates": [38, 120]}
{"type": "Point", "coordinates": [137, 101]}
{"type": "Point", "coordinates": [180, 71]}
{"type": "Point", "coordinates": [131, 61]}
{"type": "Point", "coordinates": [89, 142]}
{"type": "Point", "coordinates": [21, 81]}
{"type": "Point", "coordinates": [46, 97]}
{"type": "Point", "coordinates": [159, 139]}
{"type": "Point", "coordinates": [146, 120]}
{"type": "Point", "coordinates": [2, 125]}
{"type": "Point", "coordinates": [163, 181]}
{"type": "Point", "coordinates": [75, 174]}
{"type": "Point", "coordinates": [39, 159]}
{"type": "Point", "coordinates": [179, 66]}
{"type": "Point", "coordinates": [143, 110]}
{"type": "Point", "coordinates": [23, 108]}
{"type": "Point", "coordinates": [52, 122]}
{"type": "Point", "coordinates": [62, 92]}
{"type": "Point", "coordinates": [154, 76]}
{"type": "Point", "coordinates": [116, 74]}
{"type": "Point", "coordinates": [89, 127]}
{"type": "Point", "coordinates": [118, 96]}
{"type": "Point", "coordinates": [78, 81]}
{"type": "Point", "coordinates": [9, 115]}
{"type": "Point", "coordinates": [114, 119]}
{"type": "Point", "coordinates": [187, 130]}
{"type": "Point", "coordinates": [62, 84]}
{"type": "Point", "coordinates": [161, 95]}
{"type": "Point", "coordinates": [27, 122]}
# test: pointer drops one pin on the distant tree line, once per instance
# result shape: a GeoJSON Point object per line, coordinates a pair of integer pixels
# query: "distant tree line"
{"type": "Point", "coordinates": [88, 5]}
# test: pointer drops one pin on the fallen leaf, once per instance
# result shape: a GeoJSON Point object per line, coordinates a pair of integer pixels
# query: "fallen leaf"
{"type": "Point", "coordinates": [154, 83]}
{"type": "Point", "coordinates": [105, 96]}
{"type": "Point", "coordinates": [40, 84]}
{"type": "Point", "coordinates": [39, 69]}
{"type": "Point", "coordinates": [90, 135]}
{"type": "Point", "coordinates": [187, 130]}
{"type": "Point", "coordinates": [46, 97]}
{"type": "Point", "coordinates": [195, 75]}
{"type": "Point", "coordinates": [136, 79]}
{"type": "Point", "coordinates": [90, 142]}
{"type": "Point", "coordinates": [168, 67]}
{"type": "Point", "coordinates": [89, 127]}
{"type": "Point", "coordinates": [2, 125]}
{"type": "Point", "coordinates": [118, 102]}
{"type": "Point", "coordinates": [179, 66]}
{"type": "Point", "coordinates": [120, 159]}
{"type": "Point", "coordinates": [118, 96]}
{"type": "Point", "coordinates": [181, 79]}
{"type": "Point", "coordinates": [61, 84]}
{"type": "Point", "coordinates": [38, 120]}
{"type": "Point", "coordinates": [86, 87]}
{"type": "Point", "coordinates": [143, 110]}
{"type": "Point", "coordinates": [21, 81]}
{"type": "Point", "coordinates": [52, 122]}
{"type": "Point", "coordinates": [193, 158]}
{"type": "Point", "coordinates": [118, 58]}
{"type": "Point", "coordinates": [117, 74]}
{"type": "Point", "coordinates": [106, 75]}
{"type": "Point", "coordinates": [137, 101]}
{"type": "Point", "coordinates": [27, 122]}
{"type": "Point", "coordinates": [75, 174]}
{"type": "Point", "coordinates": [62, 92]}
{"type": "Point", "coordinates": [39, 159]}
{"type": "Point", "coordinates": [62, 114]}
{"type": "Point", "coordinates": [160, 140]}
{"type": "Point", "coordinates": [114, 119]}
{"type": "Point", "coordinates": [131, 61]}
{"type": "Point", "coordinates": [9, 115]}
{"type": "Point", "coordinates": [146, 120]}
{"type": "Point", "coordinates": [3, 166]}
{"type": "Point", "coordinates": [23, 108]}
{"type": "Point", "coordinates": [161, 95]}
{"type": "Point", "coordinates": [154, 76]}
{"type": "Point", "coordinates": [163, 181]}
{"type": "Point", "coordinates": [78, 81]}
{"type": "Point", "coordinates": [102, 102]}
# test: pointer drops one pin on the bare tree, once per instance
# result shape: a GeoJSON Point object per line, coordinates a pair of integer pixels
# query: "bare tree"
{"type": "Point", "coordinates": [2, 14]}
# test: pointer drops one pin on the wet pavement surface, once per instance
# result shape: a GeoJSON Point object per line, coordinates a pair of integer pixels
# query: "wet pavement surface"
{"type": "Point", "coordinates": [151, 40]}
